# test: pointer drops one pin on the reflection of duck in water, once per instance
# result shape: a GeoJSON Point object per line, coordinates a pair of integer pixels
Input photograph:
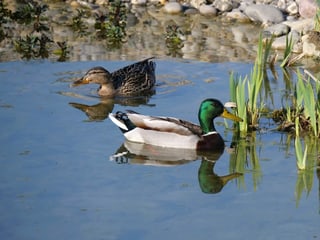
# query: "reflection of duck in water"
{"type": "Point", "coordinates": [175, 133]}
{"type": "Point", "coordinates": [209, 181]}
{"type": "Point", "coordinates": [150, 155]}
{"type": "Point", "coordinates": [97, 112]}
{"type": "Point", "coordinates": [145, 154]}
{"type": "Point", "coordinates": [135, 79]}
{"type": "Point", "coordinates": [101, 110]}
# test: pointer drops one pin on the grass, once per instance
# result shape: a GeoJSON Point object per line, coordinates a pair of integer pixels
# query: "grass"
{"type": "Point", "coordinates": [303, 105]}
{"type": "Point", "coordinates": [247, 99]}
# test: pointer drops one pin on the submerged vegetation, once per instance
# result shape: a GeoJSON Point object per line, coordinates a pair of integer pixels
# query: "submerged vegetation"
{"type": "Point", "coordinates": [299, 116]}
{"type": "Point", "coordinates": [174, 41]}
{"type": "Point", "coordinates": [37, 38]}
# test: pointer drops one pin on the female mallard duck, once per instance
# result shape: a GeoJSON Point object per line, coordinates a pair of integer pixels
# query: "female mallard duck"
{"type": "Point", "coordinates": [173, 132]}
{"type": "Point", "coordinates": [135, 79]}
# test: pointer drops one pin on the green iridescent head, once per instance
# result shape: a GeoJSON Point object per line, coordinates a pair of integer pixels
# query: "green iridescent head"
{"type": "Point", "coordinates": [210, 109]}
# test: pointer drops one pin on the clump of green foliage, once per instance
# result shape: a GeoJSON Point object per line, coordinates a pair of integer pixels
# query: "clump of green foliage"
{"type": "Point", "coordinates": [78, 25]}
{"type": "Point", "coordinates": [32, 13]}
{"type": "Point", "coordinates": [112, 26]}
{"type": "Point", "coordinates": [174, 41]}
{"type": "Point", "coordinates": [62, 52]}
{"type": "Point", "coordinates": [5, 16]}
{"type": "Point", "coordinates": [248, 104]}
{"type": "Point", "coordinates": [304, 107]}
{"type": "Point", "coordinates": [31, 16]}
{"type": "Point", "coordinates": [35, 44]}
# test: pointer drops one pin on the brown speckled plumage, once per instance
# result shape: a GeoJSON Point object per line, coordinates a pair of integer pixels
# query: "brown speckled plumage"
{"type": "Point", "coordinates": [135, 79]}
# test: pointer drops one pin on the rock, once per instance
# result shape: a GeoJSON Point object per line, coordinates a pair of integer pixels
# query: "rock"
{"type": "Point", "coordinates": [311, 44]}
{"type": "Point", "coordinates": [207, 10]}
{"type": "Point", "coordinates": [264, 13]}
{"type": "Point", "coordinates": [197, 3]}
{"type": "Point", "coordinates": [172, 7]}
{"type": "Point", "coordinates": [225, 5]}
{"type": "Point", "coordinates": [237, 15]}
{"type": "Point", "coordinates": [292, 8]}
{"type": "Point", "coordinates": [277, 29]}
{"type": "Point", "coordinates": [139, 2]}
{"type": "Point", "coordinates": [301, 25]}
{"type": "Point", "coordinates": [280, 42]}
{"type": "Point", "coordinates": [307, 8]}
{"type": "Point", "coordinates": [190, 11]}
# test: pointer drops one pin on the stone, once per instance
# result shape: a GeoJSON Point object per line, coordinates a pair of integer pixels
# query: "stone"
{"type": "Point", "coordinates": [197, 3]}
{"type": "Point", "coordinates": [224, 5]}
{"type": "Point", "coordinates": [237, 15]}
{"type": "Point", "coordinates": [311, 44]}
{"type": "Point", "coordinates": [207, 10]}
{"type": "Point", "coordinates": [307, 8]}
{"type": "Point", "coordinates": [301, 25]}
{"type": "Point", "coordinates": [172, 7]}
{"type": "Point", "coordinates": [292, 8]}
{"type": "Point", "coordinates": [277, 29]}
{"type": "Point", "coordinates": [264, 13]}
{"type": "Point", "coordinates": [280, 42]}
{"type": "Point", "coordinates": [139, 2]}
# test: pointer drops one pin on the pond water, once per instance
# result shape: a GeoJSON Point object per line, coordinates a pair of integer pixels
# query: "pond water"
{"type": "Point", "coordinates": [63, 176]}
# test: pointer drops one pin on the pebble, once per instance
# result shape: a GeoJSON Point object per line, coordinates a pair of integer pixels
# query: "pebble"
{"type": "Point", "coordinates": [225, 5]}
{"type": "Point", "coordinates": [172, 7]}
{"type": "Point", "coordinates": [307, 8]}
{"type": "Point", "coordinates": [207, 10]}
{"type": "Point", "coordinates": [264, 13]}
{"type": "Point", "coordinates": [278, 17]}
{"type": "Point", "coordinates": [277, 30]}
{"type": "Point", "coordinates": [280, 42]}
{"type": "Point", "coordinates": [311, 44]}
{"type": "Point", "coordinates": [237, 15]}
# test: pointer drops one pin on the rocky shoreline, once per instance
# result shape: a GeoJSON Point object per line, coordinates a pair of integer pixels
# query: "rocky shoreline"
{"type": "Point", "coordinates": [296, 18]}
{"type": "Point", "coordinates": [216, 30]}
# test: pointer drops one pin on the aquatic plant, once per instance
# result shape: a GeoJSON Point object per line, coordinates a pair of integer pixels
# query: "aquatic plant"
{"type": "Point", "coordinates": [244, 158]}
{"type": "Point", "coordinates": [33, 46]}
{"type": "Point", "coordinates": [249, 108]}
{"type": "Point", "coordinates": [306, 156]}
{"type": "Point", "coordinates": [32, 13]}
{"type": "Point", "coordinates": [78, 25]}
{"type": "Point", "coordinates": [112, 26]}
{"type": "Point", "coordinates": [301, 155]}
{"type": "Point", "coordinates": [174, 42]}
{"type": "Point", "coordinates": [62, 52]}
{"type": "Point", "coordinates": [317, 19]}
{"type": "Point", "coordinates": [304, 106]}
{"type": "Point", "coordinates": [5, 15]}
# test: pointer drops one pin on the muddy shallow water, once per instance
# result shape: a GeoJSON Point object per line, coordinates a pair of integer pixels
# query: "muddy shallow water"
{"type": "Point", "coordinates": [60, 178]}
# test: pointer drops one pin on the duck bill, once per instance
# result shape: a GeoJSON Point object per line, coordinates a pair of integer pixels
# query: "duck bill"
{"type": "Point", "coordinates": [227, 114]}
{"type": "Point", "coordinates": [80, 81]}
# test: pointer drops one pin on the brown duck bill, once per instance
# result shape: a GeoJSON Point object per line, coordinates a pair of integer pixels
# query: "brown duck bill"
{"type": "Point", "coordinates": [80, 81]}
{"type": "Point", "coordinates": [227, 114]}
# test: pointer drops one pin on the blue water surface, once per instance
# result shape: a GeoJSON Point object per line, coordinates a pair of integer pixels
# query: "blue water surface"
{"type": "Point", "coordinates": [58, 179]}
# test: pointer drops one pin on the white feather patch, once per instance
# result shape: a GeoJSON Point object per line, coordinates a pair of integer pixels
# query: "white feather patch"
{"type": "Point", "coordinates": [117, 122]}
{"type": "Point", "coordinates": [162, 139]}
{"type": "Point", "coordinates": [162, 125]}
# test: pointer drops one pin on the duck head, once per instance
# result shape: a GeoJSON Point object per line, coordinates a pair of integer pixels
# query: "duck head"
{"type": "Point", "coordinates": [98, 75]}
{"type": "Point", "coordinates": [209, 110]}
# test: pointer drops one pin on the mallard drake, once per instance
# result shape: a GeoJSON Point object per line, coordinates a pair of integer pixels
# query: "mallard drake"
{"type": "Point", "coordinates": [135, 79]}
{"type": "Point", "coordinates": [173, 132]}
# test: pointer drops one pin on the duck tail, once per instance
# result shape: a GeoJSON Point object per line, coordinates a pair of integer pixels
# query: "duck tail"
{"type": "Point", "coordinates": [122, 121]}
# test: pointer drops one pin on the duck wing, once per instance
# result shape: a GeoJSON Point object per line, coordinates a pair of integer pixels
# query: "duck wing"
{"type": "Point", "coordinates": [164, 124]}
{"type": "Point", "coordinates": [137, 77]}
